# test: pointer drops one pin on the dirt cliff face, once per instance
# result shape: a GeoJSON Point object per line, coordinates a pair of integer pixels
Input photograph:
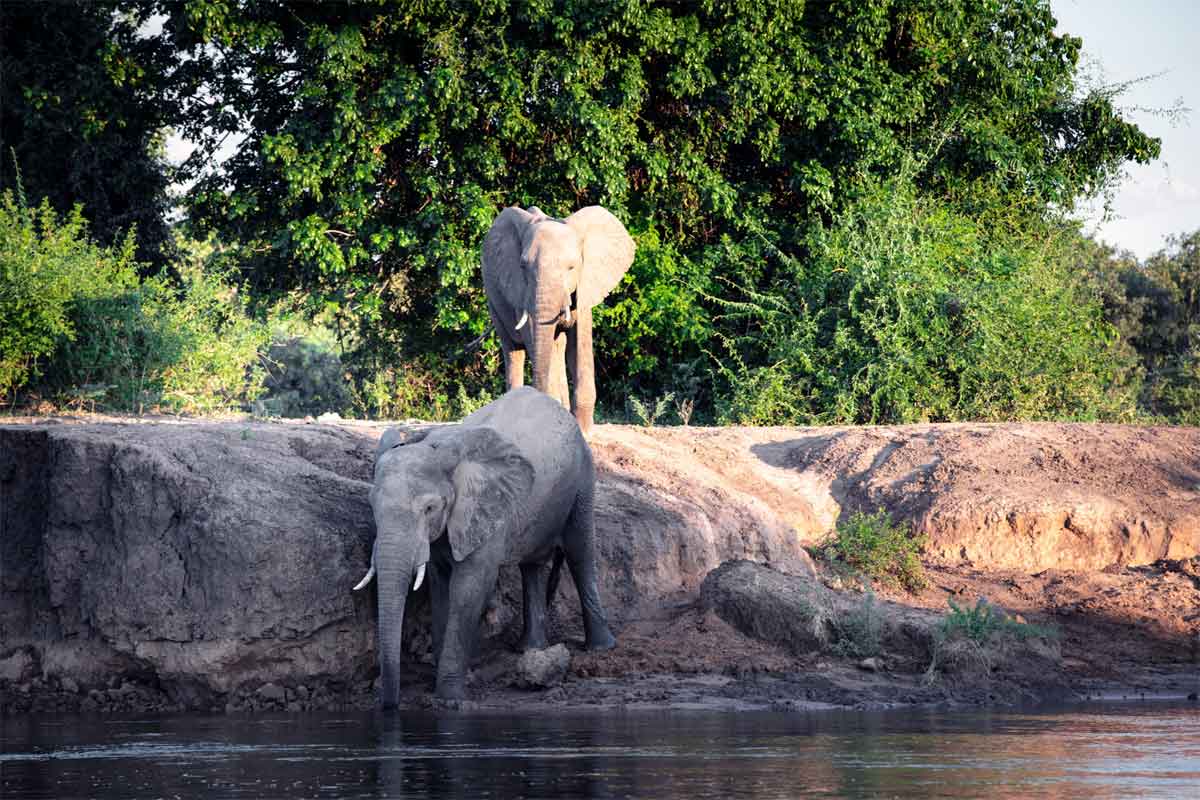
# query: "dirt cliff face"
{"type": "Point", "coordinates": [209, 564]}
{"type": "Point", "coordinates": [1028, 496]}
{"type": "Point", "coordinates": [210, 558]}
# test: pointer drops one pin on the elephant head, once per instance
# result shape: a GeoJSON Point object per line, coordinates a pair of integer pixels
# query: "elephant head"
{"type": "Point", "coordinates": [467, 486]}
{"type": "Point", "coordinates": [548, 270]}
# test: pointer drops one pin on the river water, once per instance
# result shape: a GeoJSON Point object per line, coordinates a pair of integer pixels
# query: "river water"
{"type": "Point", "coordinates": [1095, 751]}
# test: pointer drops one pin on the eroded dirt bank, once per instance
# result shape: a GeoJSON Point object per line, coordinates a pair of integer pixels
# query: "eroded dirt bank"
{"type": "Point", "coordinates": [167, 564]}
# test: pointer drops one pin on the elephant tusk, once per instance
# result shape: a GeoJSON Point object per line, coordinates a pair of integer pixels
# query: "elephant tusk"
{"type": "Point", "coordinates": [420, 577]}
{"type": "Point", "coordinates": [567, 316]}
{"type": "Point", "coordinates": [366, 578]}
{"type": "Point", "coordinates": [524, 319]}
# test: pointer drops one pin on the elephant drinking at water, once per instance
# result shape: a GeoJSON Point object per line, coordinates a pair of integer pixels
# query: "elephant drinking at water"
{"type": "Point", "coordinates": [513, 482]}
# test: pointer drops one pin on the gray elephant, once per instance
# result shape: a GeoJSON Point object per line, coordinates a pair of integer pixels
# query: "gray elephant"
{"type": "Point", "coordinates": [513, 482]}
{"type": "Point", "coordinates": [542, 276]}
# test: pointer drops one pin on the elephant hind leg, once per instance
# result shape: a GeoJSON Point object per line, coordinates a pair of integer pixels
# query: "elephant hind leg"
{"type": "Point", "coordinates": [533, 580]}
{"type": "Point", "coordinates": [580, 551]}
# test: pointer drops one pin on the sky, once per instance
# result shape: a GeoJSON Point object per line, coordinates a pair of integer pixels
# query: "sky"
{"type": "Point", "coordinates": [1124, 40]}
{"type": "Point", "coordinates": [1128, 39]}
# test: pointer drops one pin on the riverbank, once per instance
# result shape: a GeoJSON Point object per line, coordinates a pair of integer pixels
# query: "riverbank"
{"type": "Point", "coordinates": [206, 565]}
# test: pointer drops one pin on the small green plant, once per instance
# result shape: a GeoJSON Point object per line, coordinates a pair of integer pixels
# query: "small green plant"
{"type": "Point", "coordinates": [878, 549]}
{"type": "Point", "coordinates": [980, 636]}
{"type": "Point", "coordinates": [860, 631]}
{"type": "Point", "coordinates": [644, 414]}
{"type": "Point", "coordinates": [985, 621]}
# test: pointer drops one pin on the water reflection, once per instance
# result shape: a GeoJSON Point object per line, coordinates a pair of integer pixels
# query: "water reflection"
{"type": "Point", "coordinates": [1095, 752]}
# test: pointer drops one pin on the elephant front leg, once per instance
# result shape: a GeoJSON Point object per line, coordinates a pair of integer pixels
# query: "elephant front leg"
{"type": "Point", "coordinates": [514, 367]}
{"type": "Point", "coordinates": [470, 583]}
{"type": "Point", "coordinates": [533, 606]}
{"type": "Point", "coordinates": [583, 369]}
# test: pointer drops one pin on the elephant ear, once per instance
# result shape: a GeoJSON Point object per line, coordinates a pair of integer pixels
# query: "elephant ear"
{"type": "Point", "coordinates": [502, 245]}
{"type": "Point", "coordinates": [607, 253]}
{"type": "Point", "coordinates": [491, 480]}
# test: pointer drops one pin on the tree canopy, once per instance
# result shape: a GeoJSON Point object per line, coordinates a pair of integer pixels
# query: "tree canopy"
{"type": "Point", "coordinates": [84, 101]}
{"type": "Point", "coordinates": [382, 137]}
{"type": "Point", "coordinates": [748, 145]}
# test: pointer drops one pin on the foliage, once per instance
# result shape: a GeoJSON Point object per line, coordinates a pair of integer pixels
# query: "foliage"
{"type": "Point", "coordinates": [416, 389]}
{"type": "Point", "coordinates": [984, 622]}
{"type": "Point", "coordinates": [186, 346]}
{"type": "Point", "coordinates": [85, 99]}
{"type": "Point", "coordinates": [77, 318]}
{"type": "Point", "coordinates": [875, 547]}
{"type": "Point", "coordinates": [46, 265]}
{"type": "Point", "coordinates": [646, 415]}
{"type": "Point", "coordinates": [381, 138]}
{"type": "Point", "coordinates": [304, 376]}
{"type": "Point", "coordinates": [909, 311]}
{"type": "Point", "coordinates": [1155, 307]}
{"type": "Point", "coordinates": [860, 632]}
{"type": "Point", "coordinates": [981, 635]}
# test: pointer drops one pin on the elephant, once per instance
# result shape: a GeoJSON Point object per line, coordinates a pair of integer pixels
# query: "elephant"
{"type": "Point", "coordinates": [512, 482]}
{"type": "Point", "coordinates": [542, 276]}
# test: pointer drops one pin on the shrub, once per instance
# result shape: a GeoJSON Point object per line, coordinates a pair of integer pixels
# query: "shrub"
{"type": "Point", "coordinates": [419, 388]}
{"type": "Point", "coordinates": [187, 346]}
{"type": "Point", "coordinates": [907, 310]}
{"type": "Point", "coordinates": [47, 263]}
{"type": "Point", "coordinates": [979, 637]}
{"type": "Point", "coordinates": [873, 546]}
{"type": "Point", "coordinates": [860, 631]}
{"type": "Point", "coordinates": [648, 415]}
{"type": "Point", "coordinates": [305, 375]}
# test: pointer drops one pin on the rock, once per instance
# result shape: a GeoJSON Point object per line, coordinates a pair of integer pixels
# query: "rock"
{"type": "Point", "coordinates": [869, 664]}
{"type": "Point", "coordinates": [543, 669]}
{"type": "Point", "coordinates": [790, 611]}
{"type": "Point", "coordinates": [18, 666]}
{"type": "Point", "coordinates": [70, 685]}
{"type": "Point", "coordinates": [329, 417]}
{"type": "Point", "coordinates": [272, 693]}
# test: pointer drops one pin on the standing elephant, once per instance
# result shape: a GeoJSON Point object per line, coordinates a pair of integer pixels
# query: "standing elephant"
{"type": "Point", "coordinates": [512, 482]}
{"type": "Point", "coordinates": [542, 276]}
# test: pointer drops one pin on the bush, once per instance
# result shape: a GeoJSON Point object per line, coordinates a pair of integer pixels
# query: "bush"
{"type": "Point", "coordinates": [906, 310]}
{"type": "Point", "coordinates": [46, 265]}
{"type": "Point", "coordinates": [420, 388]}
{"type": "Point", "coordinates": [305, 375]}
{"type": "Point", "coordinates": [186, 346]}
{"type": "Point", "coordinates": [860, 630]}
{"type": "Point", "coordinates": [80, 323]}
{"type": "Point", "coordinates": [871, 545]}
{"type": "Point", "coordinates": [980, 637]}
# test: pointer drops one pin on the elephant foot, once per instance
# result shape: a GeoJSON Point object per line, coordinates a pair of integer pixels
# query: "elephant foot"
{"type": "Point", "coordinates": [452, 704]}
{"type": "Point", "coordinates": [531, 643]}
{"type": "Point", "coordinates": [601, 641]}
{"type": "Point", "coordinates": [452, 691]}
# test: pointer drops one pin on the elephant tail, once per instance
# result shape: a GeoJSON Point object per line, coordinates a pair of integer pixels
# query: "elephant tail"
{"type": "Point", "coordinates": [555, 571]}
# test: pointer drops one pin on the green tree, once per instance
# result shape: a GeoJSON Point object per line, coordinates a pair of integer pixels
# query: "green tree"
{"type": "Point", "coordinates": [84, 100]}
{"type": "Point", "coordinates": [380, 138]}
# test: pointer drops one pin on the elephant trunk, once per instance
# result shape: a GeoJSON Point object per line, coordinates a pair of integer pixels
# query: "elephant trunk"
{"type": "Point", "coordinates": [545, 310]}
{"type": "Point", "coordinates": [394, 572]}
{"type": "Point", "coordinates": [541, 355]}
